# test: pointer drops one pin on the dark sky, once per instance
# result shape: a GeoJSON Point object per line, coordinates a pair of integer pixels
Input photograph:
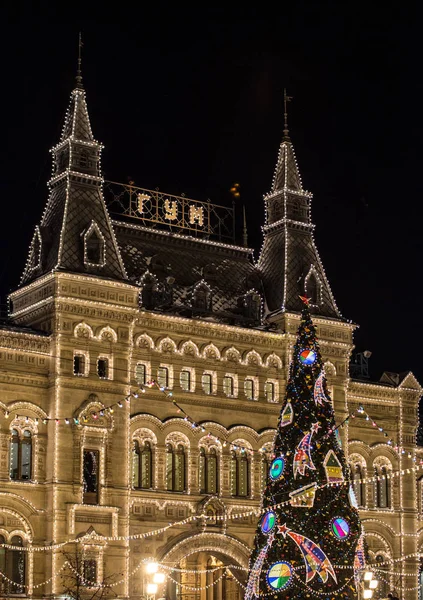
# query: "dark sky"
{"type": "Point", "coordinates": [191, 101]}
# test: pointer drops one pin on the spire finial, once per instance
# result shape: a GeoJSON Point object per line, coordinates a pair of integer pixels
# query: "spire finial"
{"type": "Point", "coordinates": [244, 231]}
{"type": "Point", "coordinates": [78, 72]}
{"type": "Point", "coordinates": [286, 99]}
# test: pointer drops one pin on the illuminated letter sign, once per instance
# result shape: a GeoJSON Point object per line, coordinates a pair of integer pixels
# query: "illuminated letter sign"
{"type": "Point", "coordinates": [196, 215]}
{"type": "Point", "coordinates": [171, 210]}
{"type": "Point", "coordinates": [141, 199]}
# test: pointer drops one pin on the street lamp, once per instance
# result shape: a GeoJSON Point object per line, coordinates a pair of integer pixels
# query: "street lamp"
{"type": "Point", "coordinates": [151, 568]}
{"type": "Point", "coordinates": [159, 578]}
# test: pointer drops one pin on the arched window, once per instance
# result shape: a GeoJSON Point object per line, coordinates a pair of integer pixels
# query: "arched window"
{"type": "Point", "coordinates": [265, 466]}
{"type": "Point", "coordinates": [208, 471]}
{"type": "Point", "coordinates": [207, 383]}
{"type": "Point", "coordinates": [20, 455]}
{"type": "Point", "coordinates": [175, 468]}
{"type": "Point", "coordinates": [228, 385]}
{"type": "Point", "coordinates": [90, 476]}
{"type": "Point", "coordinates": [16, 565]}
{"type": "Point", "coordinates": [240, 470]}
{"type": "Point", "coordinates": [382, 487]}
{"type": "Point", "coordinates": [94, 248]}
{"type": "Point", "coordinates": [13, 566]}
{"type": "Point", "coordinates": [142, 465]}
{"type": "Point", "coordinates": [136, 465]}
{"type": "Point", "coordinates": [249, 389]}
{"type": "Point", "coordinates": [269, 391]}
{"type": "Point", "coordinates": [358, 484]}
{"type": "Point", "coordinates": [146, 464]}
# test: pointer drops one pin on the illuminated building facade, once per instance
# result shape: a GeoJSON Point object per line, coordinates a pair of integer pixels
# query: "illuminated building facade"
{"type": "Point", "coordinates": [106, 306]}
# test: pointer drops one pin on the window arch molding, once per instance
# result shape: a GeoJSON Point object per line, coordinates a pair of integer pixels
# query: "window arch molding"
{"type": "Point", "coordinates": [93, 413]}
{"type": "Point", "coordinates": [167, 345]}
{"type": "Point", "coordinates": [253, 359]}
{"type": "Point", "coordinates": [211, 351]}
{"type": "Point", "coordinates": [232, 355]}
{"type": "Point", "coordinates": [107, 334]}
{"type": "Point", "coordinates": [144, 341]}
{"type": "Point", "coordinates": [273, 360]}
{"type": "Point", "coordinates": [189, 348]}
{"type": "Point", "coordinates": [83, 330]}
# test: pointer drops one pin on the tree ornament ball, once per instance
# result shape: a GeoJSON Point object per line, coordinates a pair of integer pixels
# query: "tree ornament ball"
{"type": "Point", "coordinates": [307, 357]}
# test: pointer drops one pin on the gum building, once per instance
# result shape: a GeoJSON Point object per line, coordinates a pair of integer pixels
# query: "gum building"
{"type": "Point", "coordinates": [123, 286]}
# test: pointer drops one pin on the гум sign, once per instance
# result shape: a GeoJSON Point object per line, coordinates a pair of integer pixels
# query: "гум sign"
{"type": "Point", "coordinates": [171, 210]}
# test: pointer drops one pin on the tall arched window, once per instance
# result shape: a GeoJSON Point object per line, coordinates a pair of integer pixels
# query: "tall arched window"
{"type": "Point", "coordinates": [13, 566]}
{"type": "Point", "coordinates": [175, 468]}
{"type": "Point", "coordinates": [265, 466]}
{"type": "Point", "coordinates": [142, 465]}
{"type": "Point", "coordinates": [382, 487]}
{"type": "Point", "coordinates": [20, 455]}
{"type": "Point", "coordinates": [358, 484]}
{"type": "Point", "coordinates": [136, 465]}
{"type": "Point", "coordinates": [208, 471]}
{"type": "Point", "coordinates": [91, 476]}
{"type": "Point", "coordinates": [240, 470]}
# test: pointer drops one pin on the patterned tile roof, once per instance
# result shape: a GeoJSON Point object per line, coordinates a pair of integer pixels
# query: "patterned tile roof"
{"type": "Point", "coordinates": [228, 272]}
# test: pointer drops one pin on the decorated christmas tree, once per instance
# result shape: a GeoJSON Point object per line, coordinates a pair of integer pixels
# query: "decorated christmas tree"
{"type": "Point", "coordinates": [309, 541]}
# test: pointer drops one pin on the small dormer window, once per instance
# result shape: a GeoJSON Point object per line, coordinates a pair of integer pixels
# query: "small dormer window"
{"type": "Point", "coordinates": [202, 297]}
{"type": "Point", "coordinates": [312, 287]}
{"type": "Point", "coordinates": [94, 247]}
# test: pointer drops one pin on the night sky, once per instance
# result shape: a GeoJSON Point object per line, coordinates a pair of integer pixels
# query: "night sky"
{"type": "Point", "coordinates": [193, 101]}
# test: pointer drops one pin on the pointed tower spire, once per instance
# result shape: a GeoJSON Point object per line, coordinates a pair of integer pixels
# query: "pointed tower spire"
{"type": "Point", "coordinates": [79, 71]}
{"type": "Point", "coordinates": [244, 230]}
{"type": "Point", "coordinates": [75, 233]}
{"type": "Point", "coordinates": [286, 99]}
{"type": "Point", "coordinates": [288, 240]}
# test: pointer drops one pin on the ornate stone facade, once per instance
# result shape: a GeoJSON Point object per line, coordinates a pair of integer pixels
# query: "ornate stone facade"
{"type": "Point", "coordinates": [69, 465]}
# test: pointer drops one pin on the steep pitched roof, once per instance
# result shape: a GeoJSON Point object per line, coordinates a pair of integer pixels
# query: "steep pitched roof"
{"type": "Point", "coordinates": [286, 173]}
{"type": "Point", "coordinates": [75, 214]}
{"type": "Point", "coordinates": [227, 270]}
{"type": "Point", "coordinates": [289, 262]}
{"type": "Point", "coordinates": [77, 121]}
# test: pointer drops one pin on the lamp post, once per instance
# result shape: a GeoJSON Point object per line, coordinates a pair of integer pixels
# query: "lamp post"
{"type": "Point", "coordinates": [369, 585]}
{"type": "Point", "coordinates": [158, 578]}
